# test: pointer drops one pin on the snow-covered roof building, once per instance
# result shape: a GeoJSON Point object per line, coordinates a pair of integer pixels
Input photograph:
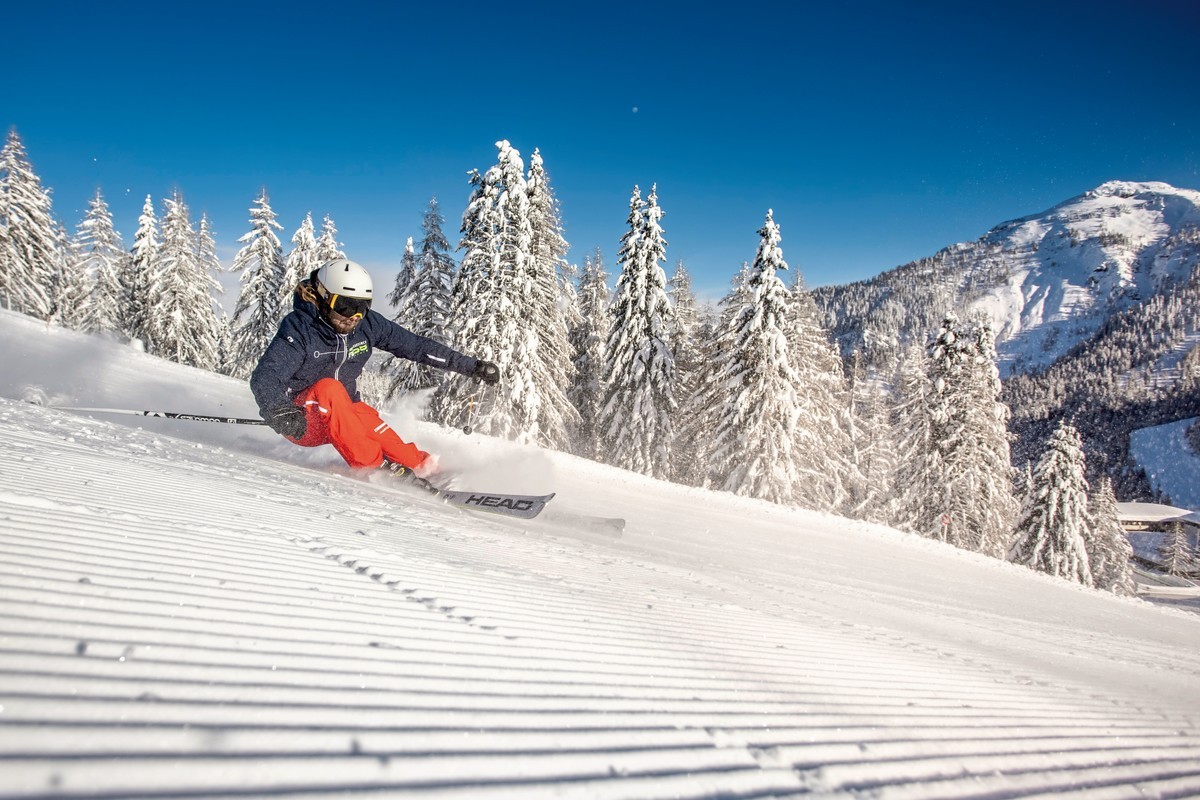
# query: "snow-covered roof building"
{"type": "Point", "coordinates": [1137, 517]}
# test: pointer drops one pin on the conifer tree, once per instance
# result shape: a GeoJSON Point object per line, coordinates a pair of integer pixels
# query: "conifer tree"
{"type": "Point", "coordinates": [74, 286]}
{"type": "Point", "coordinates": [869, 435]}
{"type": "Point", "coordinates": [224, 362]}
{"type": "Point", "coordinates": [300, 263]}
{"type": "Point", "coordinates": [183, 327]}
{"type": "Point", "coordinates": [964, 483]}
{"type": "Point", "coordinates": [206, 248]}
{"type": "Point", "coordinates": [702, 409]}
{"type": "Point", "coordinates": [216, 320]}
{"type": "Point", "coordinates": [913, 506]}
{"type": "Point", "coordinates": [478, 285]}
{"type": "Point", "coordinates": [328, 247]}
{"type": "Point", "coordinates": [689, 466]}
{"type": "Point", "coordinates": [1109, 551]}
{"type": "Point", "coordinates": [555, 306]}
{"type": "Point", "coordinates": [752, 451]}
{"type": "Point", "coordinates": [138, 274]}
{"type": "Point", "coordinates": [31, 248]}
{"type": "Point", "coordinates": [424, 305]}
{"type": "Point", "coordinates": [491, 318]}
{"type": "Point", "coordinates": [165, 329]}
{"type": "Point", "coordinates": [261, 265]}
{"type": "Point", "coordinates": [435, 276]}
{"type": "Point", "coordinates": [401, 375]}
{"type": "Point", "coordinates": [498, 313]}
{"type": "Point", "coordinates": [639, 402]}
{"type": "Point", "coordinates": [1055, 524]}
{"type": "Point", "coordinates": [587, 346]}
{"type": "Point", "coordinates": [206, 253]}
{"type": "Point", "coordinates": [822, 442]}
{"type": "Point", "coordinates": [102, 256]}
{"type": "Point", "coordinates": [406, 275]}
{"type": "Point", "coordinates": [1176, 554]}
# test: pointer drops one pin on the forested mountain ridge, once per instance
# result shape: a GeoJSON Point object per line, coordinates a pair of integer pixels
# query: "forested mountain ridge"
{"type": "Point", "coordinates": [1140, 369]}
{"type": "Point", "coordinates": [1047, 282]}
{"type": "Point", "coordinates": [1096, 308]}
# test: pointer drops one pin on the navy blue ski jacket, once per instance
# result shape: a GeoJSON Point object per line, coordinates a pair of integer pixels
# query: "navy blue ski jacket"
{"type": "Point", "coordinates": [307, 349]}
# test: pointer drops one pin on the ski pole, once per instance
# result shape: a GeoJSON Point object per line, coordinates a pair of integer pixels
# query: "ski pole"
{"type": "Point", "coordinates": [167, 415]}
{"type": "Point", "coordinates": [470, 410]}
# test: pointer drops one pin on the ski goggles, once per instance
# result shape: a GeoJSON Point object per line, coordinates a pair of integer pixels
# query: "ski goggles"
{"type": "Point", "coordinates": [350, 307]}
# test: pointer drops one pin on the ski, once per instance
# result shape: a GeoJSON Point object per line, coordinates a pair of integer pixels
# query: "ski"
{"type": "Point", "coordinates": [608, 526]}
{"type": "Point", "coordinates": [164, 415]}
{"type": "Point", "coordinates": [521, 506]}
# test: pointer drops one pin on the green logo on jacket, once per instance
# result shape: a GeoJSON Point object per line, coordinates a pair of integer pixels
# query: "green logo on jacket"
{"type": "Point", "coordinates": [358, 349]}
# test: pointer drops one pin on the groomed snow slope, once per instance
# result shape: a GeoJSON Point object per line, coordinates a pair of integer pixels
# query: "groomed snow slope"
{"type": "Point", "coordinates": [203, 610]}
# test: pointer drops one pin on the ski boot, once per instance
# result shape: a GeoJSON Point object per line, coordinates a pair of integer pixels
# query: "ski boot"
{"type": "Point", "coordinates": [409, 476]}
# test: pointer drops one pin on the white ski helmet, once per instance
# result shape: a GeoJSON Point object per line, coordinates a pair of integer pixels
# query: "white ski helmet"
{"type": "Point", "coordinates": [345, 278]}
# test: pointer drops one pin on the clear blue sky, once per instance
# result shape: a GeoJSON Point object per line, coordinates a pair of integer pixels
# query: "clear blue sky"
{"type": "Point", "coordinates": [879, 132]}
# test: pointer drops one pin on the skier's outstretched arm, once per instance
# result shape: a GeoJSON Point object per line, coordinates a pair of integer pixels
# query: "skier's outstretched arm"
{"type": "Point", "coordinates": [401, 342]}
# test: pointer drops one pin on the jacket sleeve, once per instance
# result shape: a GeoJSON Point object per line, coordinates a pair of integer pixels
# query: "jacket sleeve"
{"type": "Point", "coordinates": [279, 364]}
{"type": "Point", "coordinates": [401, 342]}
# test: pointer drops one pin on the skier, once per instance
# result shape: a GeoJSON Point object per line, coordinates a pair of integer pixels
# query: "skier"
{"type": "Point", "coordinates": [306, 381]}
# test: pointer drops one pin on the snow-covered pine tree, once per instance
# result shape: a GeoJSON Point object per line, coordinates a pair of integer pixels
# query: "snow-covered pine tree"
{"type": "Point", "coordinates": [216, 320]}
{"type": "Point", "coordinates": [491, 317]}
{"type": "Point", "coordinates": [822, 442]}
{"type": "Point", "coordinates": [970, 478]}
{"type": "Point", "coordinates": [554, 303]}
{"type": "Point", "coordinates": [497, 314]}
{"type": "Point", "coordinates": [102, 256]}
{"type": "Point", "coordinates": [260, 262]}
{"type": "Point", "coordinates": [1055, 525]}
{"type": "Point", "coordinates": [701, 411]}
{"type": "Point", "coordinates": [400, 375]}
{"type": "Point", "coordinates": [637, 415]}
{"type": "Point", "coordinates": [300, 263]}
{"type": "Point", "coordinates": [915, 502]}
{"type": "Point", "coordinates": [689, 467]}
{"type": "Point", "coordinates": [871, 455]}
{"type": "Point", "coordinates": [1176, 554]}
{"type": "Point", "coordinates": [183, 327]}
{"type": "Point", "coordinates": [31, 248]}
{"type": "Point", "coordinates": [74, 286]}
{"type": "Point", "coordinates": [166, 334]}
{"type": "Point", "coordinates": [328, 247]}
{"type": "Point", "coordinates": [752, 448]}
{"type": "Point", "coordinates": [477, 284]}
{"type": "Point", "coordinates": [687, 320]}
{"type": "Point", "coordinates": [1109, 550]}
{"type": "Point", "coordinates": [587, 345]}
{"type": "Point", "coordinates": [424, 305]}
{"type": "Point", "coordinates": [225, 351]}
{"type": "Point", "coordinates": [435, 277]}
{"type": "Point", "coordinates": [138, 273]}
{"type": "Point", "coordinates": [406, 275]}
{"type": "Point", "coordinates": [206, 248]}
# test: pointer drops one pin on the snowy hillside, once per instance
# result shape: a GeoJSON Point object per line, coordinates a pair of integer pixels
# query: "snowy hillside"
{"type": "Point", "coordinates": [1047, 281]}
{"type": "Point", "coordinates": [1171, 464]}
{"type": "Point", "coordinates": [204, 610]}
{"type": "Point", "coordinates": [1068, 269]}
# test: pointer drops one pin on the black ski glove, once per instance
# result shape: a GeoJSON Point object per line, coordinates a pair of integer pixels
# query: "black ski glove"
{"type": "Point", "coordinates": [487, 372]}
{"type": "Point", "coordinates": [288, 421]}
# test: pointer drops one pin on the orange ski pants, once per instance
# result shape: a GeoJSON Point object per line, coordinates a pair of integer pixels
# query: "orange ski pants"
{"type": "Point", "coordinates": [354, 429]}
